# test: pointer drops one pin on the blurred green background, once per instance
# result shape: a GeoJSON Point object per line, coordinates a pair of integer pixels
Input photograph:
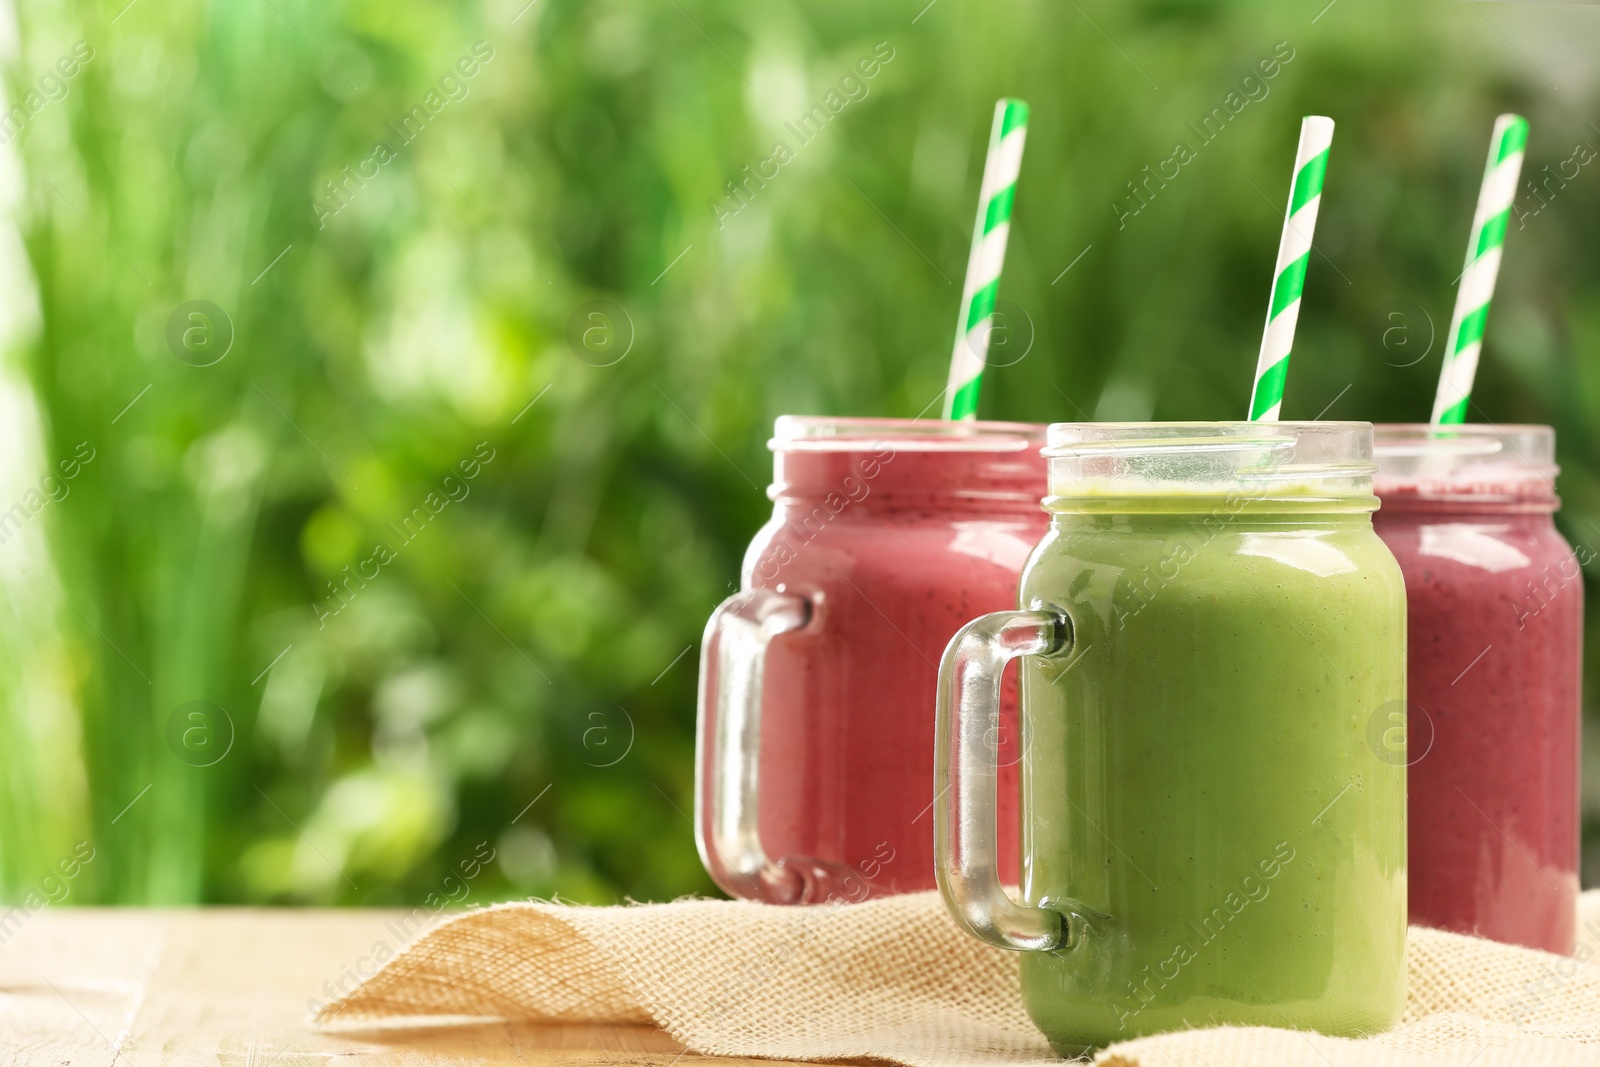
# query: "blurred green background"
{"type": "Point", "coordinates": [516, 669]}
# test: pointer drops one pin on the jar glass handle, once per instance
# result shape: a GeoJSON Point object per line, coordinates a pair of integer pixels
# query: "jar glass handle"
{"type": "Point", "coordinates": [965, 778]}
{"type": "Point", "coordinates": [728, 743]}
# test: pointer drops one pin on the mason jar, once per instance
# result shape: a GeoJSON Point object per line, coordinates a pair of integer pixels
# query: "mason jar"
{"type": "Point", "coordinates": [813, 764]}
{"type": "Point", "coordinates": [1208, 838]}
{"type": "Point", "coordinates": [1496, 662]}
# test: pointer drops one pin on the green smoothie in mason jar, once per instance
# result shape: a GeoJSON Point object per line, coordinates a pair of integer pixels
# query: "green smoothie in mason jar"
{"type": "Point", "coordinates": [1215, 631]}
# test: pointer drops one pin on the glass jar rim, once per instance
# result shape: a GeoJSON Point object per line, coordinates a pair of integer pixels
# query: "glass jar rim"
{"type": "Point", "coordinates": [1471, 465]}
{"type": "Point", "coordinates": [825, 433]}
{"type": "Point", "coordinates": [1107, 466]}
{"type": "Point", "coordinates": [1531, 443]}
{"type": "Point", "coordinates": [1165, 438]}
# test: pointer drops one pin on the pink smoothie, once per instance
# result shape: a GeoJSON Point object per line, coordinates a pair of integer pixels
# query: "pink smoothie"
{"type": "Point", "coordinates": [897, 539]}
{"type": "Point", "coordinates": [1495, 602]}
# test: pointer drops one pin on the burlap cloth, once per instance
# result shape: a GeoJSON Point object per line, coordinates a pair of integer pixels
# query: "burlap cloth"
{"type": "Point", "coordinates": [894, 979]}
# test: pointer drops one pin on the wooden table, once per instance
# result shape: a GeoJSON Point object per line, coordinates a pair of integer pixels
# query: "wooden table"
{"type": "Point", "coordinates": [229, 988]}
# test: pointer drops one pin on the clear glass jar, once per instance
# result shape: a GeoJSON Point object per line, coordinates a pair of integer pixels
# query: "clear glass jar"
{"type": "Point", "coordinates": [1208, 838]}
{"type": "Point", "coordinates": [813, 767]}
{"type": "Point", "coordinates": [1495, 714]}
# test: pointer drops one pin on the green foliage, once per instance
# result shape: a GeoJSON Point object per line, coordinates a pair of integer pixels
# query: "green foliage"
{"type": "Point", "coordinates": [526, 629]}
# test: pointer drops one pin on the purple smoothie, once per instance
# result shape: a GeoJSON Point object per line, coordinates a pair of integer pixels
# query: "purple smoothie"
{"type": "Point", "coordinates": [887, 535]}
{"type": "Point", "coordinates": [1495, 601]}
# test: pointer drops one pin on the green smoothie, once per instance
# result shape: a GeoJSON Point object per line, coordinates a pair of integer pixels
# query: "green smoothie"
{"type": "Point", "coordinates": [1200, 793]}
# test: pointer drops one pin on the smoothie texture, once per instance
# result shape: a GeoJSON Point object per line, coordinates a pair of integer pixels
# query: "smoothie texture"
{"type": "Point", "coordinates": [1494, 718]}
{"type": "Point", "coordinates": [895, 533]}
{"type": "Point", "coordinates": [1199, 794]}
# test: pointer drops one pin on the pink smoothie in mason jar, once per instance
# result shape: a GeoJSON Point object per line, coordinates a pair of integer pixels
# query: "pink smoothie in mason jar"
{"type": "Point", "coordinates": [1495, 602]}
{"type": "Point", "coordinates": [815, 760]}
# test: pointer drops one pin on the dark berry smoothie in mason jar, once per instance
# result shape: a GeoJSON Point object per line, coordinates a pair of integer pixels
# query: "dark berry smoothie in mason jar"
{"type": "Point", "coordinates": [1495, 599]}
{"type": "Point", "coordinates": [814, 767]}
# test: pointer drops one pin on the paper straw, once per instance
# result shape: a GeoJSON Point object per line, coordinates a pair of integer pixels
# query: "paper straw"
{"type": "Point", "coordinates": [988, 255]}
{"type": "Point", "coordinates": [1289, 278]}
{"type": "Point", "coordinates": [1483, 264]}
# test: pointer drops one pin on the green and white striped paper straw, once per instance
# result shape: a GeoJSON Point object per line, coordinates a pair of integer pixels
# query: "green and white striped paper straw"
{"type": "Point", "coordinates": [1488, 238]}
{"type": "Point", "coordinates": [989, 235]}
{"type": "Point", "coordinates": [1289, 278]}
